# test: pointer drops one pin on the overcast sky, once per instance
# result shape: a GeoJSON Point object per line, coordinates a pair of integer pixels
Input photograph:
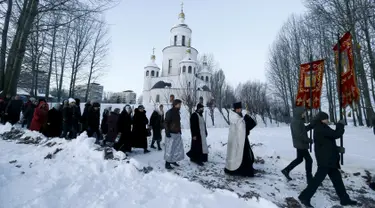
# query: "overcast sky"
{"type": "Point", "coordinates": [238, 33]}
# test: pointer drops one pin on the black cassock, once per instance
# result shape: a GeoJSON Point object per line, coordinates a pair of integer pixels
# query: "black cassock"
{"type": "Point", "coordinates": [196, 151]}
{"type": "Point", "coordinates": [124, 125]}
{"type": "Point", "coordinates": [246, 167]}
{"type": "Point", "coordinates": [139, 133]}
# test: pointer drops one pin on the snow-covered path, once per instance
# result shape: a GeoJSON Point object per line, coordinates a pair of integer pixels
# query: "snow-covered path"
{"type": "Point", "coordinates": [77, 176]}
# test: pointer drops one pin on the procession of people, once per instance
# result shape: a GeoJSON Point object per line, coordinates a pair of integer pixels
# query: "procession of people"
{"type": "Point", "coordinates": [129, 129]}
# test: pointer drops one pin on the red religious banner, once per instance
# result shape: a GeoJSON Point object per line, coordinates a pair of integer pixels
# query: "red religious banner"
{"type": "Point", "coordinates": [303, 94]}
{"type": "Point", "coordinates": [349, 89]}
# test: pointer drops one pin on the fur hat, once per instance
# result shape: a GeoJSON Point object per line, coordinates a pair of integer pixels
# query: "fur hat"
{"type": "Point", "coordinates": [141, 107]}
{"type": "Point", "coordinates": [71, 100]}
{"type": "Point", "coordinates": [96, 105]}
{"type": "Point", "coordinates": [321, 116]}
{"type": "Point", "coordinates": [117, 110]}
{"type": "Point", "coordinates": [237, 105]}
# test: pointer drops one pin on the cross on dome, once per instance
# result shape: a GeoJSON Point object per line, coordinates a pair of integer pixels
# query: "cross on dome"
{"type": "Point", "coordinates": [181, 16]}
{"type": "Point", "coordinates": [153, 57]}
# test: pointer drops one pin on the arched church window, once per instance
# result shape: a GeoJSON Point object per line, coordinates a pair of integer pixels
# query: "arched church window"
{"type": "Point", "coordinates": [190, 69]}
{"type": "Point", "coordinates": [183, 69]}
{"type": "Point", "coordinates": [206, 79]}
{"type": "Point", "coordinates": [183, 40]}
{"type": "Point", "coordinates": [152, 73]}
{"type": "Point", "coordinates": [147, 73]}
{"type": "Point", "coordinates": [157, 99]}
{"type": "Point", "coordinates": [202, 78]}
{"type": "Point", "coordinates": [175, 40]}
{"type": "Point", "coordinates": [195, 70]}
{"type": "Point", "coordinates": [157, 74]}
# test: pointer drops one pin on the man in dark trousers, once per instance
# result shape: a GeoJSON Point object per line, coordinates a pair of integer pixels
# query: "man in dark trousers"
{"type": "Point", "coordinates": [199, 149]}
{"type": "Point", "coordinates": [93, 121]}
{"type": "Point", "coordinates": [301, 142]}
{"type": "Point", "coordinates": [174, 146]}
{"type": "Point", "coordinates": [327, 155]}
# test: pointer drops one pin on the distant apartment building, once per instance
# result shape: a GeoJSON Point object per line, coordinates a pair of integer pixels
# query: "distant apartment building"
{"type": "Point", "coordinates": [128, 97]}
{"type": "Point", "coordinates": [95, 92]}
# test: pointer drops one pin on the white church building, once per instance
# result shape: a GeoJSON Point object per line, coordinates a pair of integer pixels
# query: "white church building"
{"type": "Point", "coordinates": [180, 75]}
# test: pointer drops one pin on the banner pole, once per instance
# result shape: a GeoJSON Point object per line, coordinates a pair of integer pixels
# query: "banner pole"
{"type": "Point", "coordinates": [311, 96]}
{"type": "Point", "coordinates": [339, 71]}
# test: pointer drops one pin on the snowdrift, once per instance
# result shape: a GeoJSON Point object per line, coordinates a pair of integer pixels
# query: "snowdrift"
{"type": "Point", "coordinates": [41, 172]}
{"type": "Point", "coordinates": [56, 173]}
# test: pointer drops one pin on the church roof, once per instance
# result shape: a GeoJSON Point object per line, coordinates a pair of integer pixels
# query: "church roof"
{"type": "Point", "coordinates": [152, 63]}
{"type": "Point", "coordinates": [161, 85]}
{"type": "Point", "coordinates": [188, 58]}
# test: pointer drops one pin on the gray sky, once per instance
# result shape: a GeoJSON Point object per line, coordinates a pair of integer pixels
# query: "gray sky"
{"type": "Point", "coordinates": [238, 33]}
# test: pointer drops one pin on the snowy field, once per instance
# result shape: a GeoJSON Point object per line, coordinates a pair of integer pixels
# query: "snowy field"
{"type": "Point", "coordinates": [57, 173]}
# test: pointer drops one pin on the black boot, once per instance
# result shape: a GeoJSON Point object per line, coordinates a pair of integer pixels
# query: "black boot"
{"type": "Point", "coordinates": [348, 202]}
{"type": "Point", "coordinates": [286, 174]}
{"type": "Point", "coordinates": [175, 164]}
{"type": "Point", "coordinates": [153, 144]}
{"type": "Point", "coordinates": [146, 151]}
{"type": "Point", "coordinates": [158, 143]}
{"type": "Point", "coordinates": [305, 202]}
{"type": "Point", "coordinates": [168, 166]}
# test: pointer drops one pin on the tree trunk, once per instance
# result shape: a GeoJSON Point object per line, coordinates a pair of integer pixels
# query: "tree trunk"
{"type": "Point", "coordinates": [51, 62]}
{"type": "Point", "coordinates": [17, 50]}
{"type": "Point", "coordinates": [4, 40]}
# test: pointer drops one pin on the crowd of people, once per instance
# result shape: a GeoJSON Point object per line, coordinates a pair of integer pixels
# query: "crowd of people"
{"type": "Point", "coordinates": [130, 128]}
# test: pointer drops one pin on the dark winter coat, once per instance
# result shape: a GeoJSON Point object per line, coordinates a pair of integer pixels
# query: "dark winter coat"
{"type": "Point", "coordinates": [139, 132]}
{"type": "Point", "coordinates": [54, 123]}
{"type": "Point", "coordinates": [13, 111]}
{"type": "Point", "coordinates": [124, 126]}
{"type": "Point", "coordinates": [172, 122]}
{"type": "Point", "coordinates": [157, 124]}
{"type": "Point", "coordinates": [84, 118]}
{"type": "Point", "coordinates": [40, 116]}
{"type": "Point", "coordinates": [28, 113]}
{"type": "Point", "coordinates": [93, 119]}
{"type": "Point", "coordinates": [2, 110]}
{"type": "Point", "coordinates": [104, 124]}
{"type": "Point", "coordinates": [299, 130]}
{"type": "Point", "coordinates": [67, 115]}
{"type": "Point", "coordinates": [76, 116]}
{"type": "Point", "coordinates": [326, 150]}
{"type": "Point", "coordinates": [112, 127]}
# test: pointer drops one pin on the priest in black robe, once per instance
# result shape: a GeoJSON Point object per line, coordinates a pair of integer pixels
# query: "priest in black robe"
{"type": "Point", "coordinates": [199, 149]}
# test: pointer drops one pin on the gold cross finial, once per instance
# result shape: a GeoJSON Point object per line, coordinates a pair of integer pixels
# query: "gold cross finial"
{"type": "Point", "coordinates": [182, 6]}
{"type": "Point", "coordinates": [153, 51]}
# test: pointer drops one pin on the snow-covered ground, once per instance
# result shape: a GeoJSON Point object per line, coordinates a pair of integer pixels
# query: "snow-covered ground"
{"type": "Point", "coordinates": [78, 176]}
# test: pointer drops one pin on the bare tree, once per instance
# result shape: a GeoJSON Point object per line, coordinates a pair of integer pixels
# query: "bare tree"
{"type": "Point", "coordinates": [189, 92]}
{"type": "Point", "coordinates": [4, 40]}
{"type": "Point", "coordinates": [99, 51]}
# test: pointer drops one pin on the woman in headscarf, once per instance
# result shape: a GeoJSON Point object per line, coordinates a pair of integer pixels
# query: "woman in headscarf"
{"type": "Point", "coordinates": [54, 122]}
{"type": "Point", "coordinates": [112, 126]}
{"type": "Point", "coordinates": [124, 126]}
{"type": "Point", "coordinates": [40, 116]}
{"type": "Point", "coordinates": [139, 129]}
{"type": "Point", "coordinates": [157, 125]}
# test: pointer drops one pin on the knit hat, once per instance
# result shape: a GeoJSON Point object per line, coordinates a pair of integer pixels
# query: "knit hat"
{"type": "Point", "coordinates": [199, 106]}
{"type": "Point", "coordinates": [237, 105]}
{"type": "Point", "coordinates": [176, 102]}
{"type": "Point", "coordinates": [117, 110]}
{"type": "Point", "coordinates": [96, 105]}
{"type": "Point", "coordinates": [141, 107]}
{"type": "Point", "coordinates": [321, 116]}
{"type": "Point", "coordinates": [71, 100]}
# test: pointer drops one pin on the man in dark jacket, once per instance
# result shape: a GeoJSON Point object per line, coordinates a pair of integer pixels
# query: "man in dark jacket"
{"type": "Point", "coordinates": [328, 158]}
{"type": "Point", "coordinates": [301, 142]}
{"type": "Point", "coordinates": [199, 149]}
{"type": "Point", "coordinates": [13, 110]}
{"type": "Point", "coordinates": [157, 125]}
{"type": "Point", "coordinates": [174, 147]}
{"type": "Point", "coordinates": [84, 118]}
{"type": "Point", "coordinates": [104, 124]}
{"type": "Point", "coordinates": [93, 121]}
